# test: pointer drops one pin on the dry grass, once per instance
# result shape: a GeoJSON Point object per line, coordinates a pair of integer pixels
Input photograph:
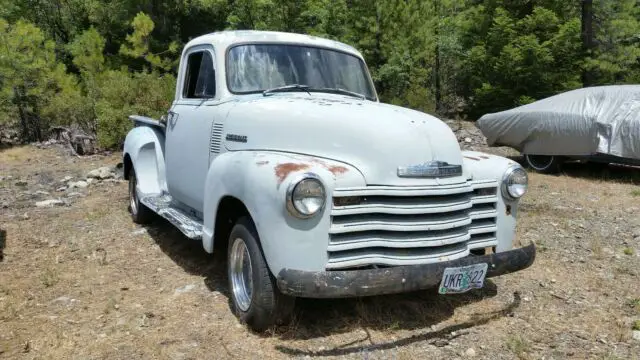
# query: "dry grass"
{"type": "Point", "coordinates": [519, 346]}
{"type": "Point", "coordinates": [79, 282]}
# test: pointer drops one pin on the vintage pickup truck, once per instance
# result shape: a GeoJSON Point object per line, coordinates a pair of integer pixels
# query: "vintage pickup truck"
{"type": "Point", "coordinates": [277, 149]}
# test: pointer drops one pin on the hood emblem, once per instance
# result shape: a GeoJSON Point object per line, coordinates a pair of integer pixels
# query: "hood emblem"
{"type": "Point", "coordinates": [431, 169]}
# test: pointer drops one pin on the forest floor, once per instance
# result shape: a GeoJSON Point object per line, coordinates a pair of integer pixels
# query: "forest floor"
{"type": "Point", "coordinates": [81, 281]}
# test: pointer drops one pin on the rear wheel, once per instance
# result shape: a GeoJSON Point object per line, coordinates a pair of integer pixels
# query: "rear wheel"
{"type": "Point", "coordinates": [139, 212]}
{"type": "Point", "coordinates": [256, 299]}
{"type": "Point", "coordinates": [546, 164]}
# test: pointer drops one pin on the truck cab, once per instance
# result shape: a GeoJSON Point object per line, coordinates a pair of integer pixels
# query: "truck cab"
{"type": "Point", "coordinates": [278, 150]}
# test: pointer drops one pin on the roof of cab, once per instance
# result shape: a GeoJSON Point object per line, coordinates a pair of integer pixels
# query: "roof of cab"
{"type": "Point", "coordinates": [229, 37]}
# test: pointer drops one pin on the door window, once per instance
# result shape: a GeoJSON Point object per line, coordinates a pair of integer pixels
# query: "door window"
{"type": "Point", "coordinates": [200, 80]}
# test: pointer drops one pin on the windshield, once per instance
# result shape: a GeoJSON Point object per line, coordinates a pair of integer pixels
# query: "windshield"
{"type": "Point", "coordinates": [260, 67]}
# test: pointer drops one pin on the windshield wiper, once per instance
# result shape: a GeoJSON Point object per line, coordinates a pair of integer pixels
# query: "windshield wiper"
{"type": "Point", "coordinates": [339, 91]}
{"type": "Point", "coordinates": [292, 87]}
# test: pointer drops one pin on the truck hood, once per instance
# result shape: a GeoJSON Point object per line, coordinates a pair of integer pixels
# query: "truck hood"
{"type": "Point", "coordinates": [375, 138]}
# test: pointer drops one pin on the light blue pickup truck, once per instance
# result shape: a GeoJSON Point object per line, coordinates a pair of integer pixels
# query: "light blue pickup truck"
{"type": "Point", "coordinates": [277, 149]}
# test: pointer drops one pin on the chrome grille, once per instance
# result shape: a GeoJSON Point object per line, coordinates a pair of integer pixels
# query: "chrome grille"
{"type": "Point", "coordinates": [381, 225]}
{"type": "Point", "coordinates": [216, 138]}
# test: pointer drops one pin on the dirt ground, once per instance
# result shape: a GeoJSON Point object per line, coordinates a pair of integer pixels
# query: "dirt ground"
{"type": "Point", "coordinates": [81, 281]}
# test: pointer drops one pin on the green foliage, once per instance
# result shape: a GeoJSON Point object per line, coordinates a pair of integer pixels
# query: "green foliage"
{"type": "Point", "coordinates": [124, 94]}
{"type": "Point", "coordinates": [138, 44]}
{"type": "Point", "coordinates": [91, 63]}
{"type": "Point", "coordinates": [87, 50]}
{"type": "Point", "coordinates": [31, 77]}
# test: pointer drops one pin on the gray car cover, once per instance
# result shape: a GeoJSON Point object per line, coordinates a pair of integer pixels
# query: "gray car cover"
{"type": "Point", "coordinates": [582, 122]}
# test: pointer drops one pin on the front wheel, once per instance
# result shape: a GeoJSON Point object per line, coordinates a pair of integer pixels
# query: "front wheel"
{"type": "Point", "coordinates": [256, 299]}
{"type": "Point", "coordinates": [140, 214]}
{"type": "Point", "coordinates": [546, 164]}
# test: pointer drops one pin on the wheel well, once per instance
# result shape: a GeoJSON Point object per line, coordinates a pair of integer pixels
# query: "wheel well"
{"type": "Point", "coordinates": [128, 165]}
{"type": "Point", "coordinates": [230, 210]}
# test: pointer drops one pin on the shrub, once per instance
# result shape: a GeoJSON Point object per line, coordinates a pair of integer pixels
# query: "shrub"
{"type": "Point", "coordinates": [124, 94]}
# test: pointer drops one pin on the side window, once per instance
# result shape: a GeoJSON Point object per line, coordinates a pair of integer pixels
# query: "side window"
{"type": "Point", "coordinates": [200, 78]}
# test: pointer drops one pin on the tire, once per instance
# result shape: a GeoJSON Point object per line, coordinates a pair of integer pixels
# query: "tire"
{"type": "Point", "coordinates": [255, 297]}
{"type": "Point", "coordinates": [140, 214]}
{"type": "Point", "coordinates": [546, 164]}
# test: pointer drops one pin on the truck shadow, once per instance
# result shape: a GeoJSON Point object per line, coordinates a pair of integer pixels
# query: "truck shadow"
{"type": "Point", "coordinates": [440, 337]}
{"type": "Point", "coordinates": [319, 318]}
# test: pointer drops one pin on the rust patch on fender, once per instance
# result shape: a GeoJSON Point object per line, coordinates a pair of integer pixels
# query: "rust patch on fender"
{"type": "Point", "coordinates": [472, 158]}
{"type": "Point", "coordinates": [284, 169]}
{"type": "Point", "coordinates": [334, 169]}
{"type": "Point", "coordinates": [337, 169]}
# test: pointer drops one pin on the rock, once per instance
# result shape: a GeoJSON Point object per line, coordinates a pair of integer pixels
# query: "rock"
{"type": "Point", "coordinates": [90, 181]}
{"type": "Point", "coordinates": [470, 352]}
{"type": "Point", "coordinates": [102, 173]}
{"type": "Point", "coordinates": [50, 203]}
{"type": "Point", "coordinates": [61, 188]}
{"type": "Point", "coordinates": [185, 289]}
{"type": "Point", "coordinates": [66, 179]}
{"type": "Point", "coordinates": [21, 183]}
{"type": "Point", "coordinates": [74, 194]}
{"type": "Point", "coordinates": [467, 140]}
{"type": "Point", "coordinates": [139, 232]}
{"type": "Point", "coordinates": [636, 335]}
{"type": "Point", "coordinates": [25, 216]}
{"type": "Point", "coordinates": [65, 300]}
{"type": "Point", "coordinates": [4, 205]}
{"type": "Point", "coordinates": [636, 233]}
{"type": "Point", "coordinates": [78, 185]}
{"type": "Point", "coordinates": [41, 192]}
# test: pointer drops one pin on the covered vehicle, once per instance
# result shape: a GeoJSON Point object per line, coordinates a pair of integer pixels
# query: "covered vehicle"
{"type": "Point", "coordinates": [599, 124]}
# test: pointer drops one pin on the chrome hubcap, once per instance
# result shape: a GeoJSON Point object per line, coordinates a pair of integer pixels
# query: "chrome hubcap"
{"type": "Point", "coordinates": [241, 274]}
{"type": "Point", "coordinates": [539, 162]}
{"type": "Point", "coordinates": [133, 199]}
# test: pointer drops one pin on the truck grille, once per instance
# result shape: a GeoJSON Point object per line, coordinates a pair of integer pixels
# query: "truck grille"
{"type": "Point", "coordinates": [390, 226]}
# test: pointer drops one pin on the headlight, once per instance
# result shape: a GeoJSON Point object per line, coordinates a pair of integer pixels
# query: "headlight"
{"type": "Point", "coordinates": [514, 182]}
{"type": "Point", "coordinates": [306, 197]}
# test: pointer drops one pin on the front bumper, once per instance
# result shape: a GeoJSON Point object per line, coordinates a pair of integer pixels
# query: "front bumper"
{"type": "Point", "coordinates": [353, 283]}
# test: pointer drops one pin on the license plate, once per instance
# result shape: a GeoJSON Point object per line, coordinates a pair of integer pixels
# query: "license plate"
{"type": "Point", "coordinates": [457, 280]}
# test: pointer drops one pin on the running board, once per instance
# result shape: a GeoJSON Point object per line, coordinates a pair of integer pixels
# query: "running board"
{"type": "Point", "coordinates": [163, 206]}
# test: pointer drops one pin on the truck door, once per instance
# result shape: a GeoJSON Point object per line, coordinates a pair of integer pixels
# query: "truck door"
{"type": "Point", "coordinates": [189, 127]}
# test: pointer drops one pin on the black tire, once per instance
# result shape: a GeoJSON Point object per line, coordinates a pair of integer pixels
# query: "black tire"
{"type": "Point", "coordinates": [268, 306]}
{"type": "Point", "coordinates": [140, 214]}
{"type": "Point", "coordinates": [546, 164]}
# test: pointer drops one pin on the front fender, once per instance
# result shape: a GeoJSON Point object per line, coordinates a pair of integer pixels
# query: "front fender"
{"type": "Point", "coordinates": [260, 180]}
{"type": "Point", "coordinates": [144, 147]}
{"type": "Point", "coordinates": [479, 165]}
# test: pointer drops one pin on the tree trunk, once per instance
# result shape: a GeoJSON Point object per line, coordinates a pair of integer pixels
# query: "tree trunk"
{"type": "Point", "coordinates": [24, 122]}
{"type": "Point", "coordinates": [587, 39]}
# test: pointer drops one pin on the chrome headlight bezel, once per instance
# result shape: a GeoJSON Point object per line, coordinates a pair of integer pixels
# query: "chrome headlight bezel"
{"type": "Point", "coordinates": [290, 202]}
{"type": "Point", "coordinates": [507, 182]}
